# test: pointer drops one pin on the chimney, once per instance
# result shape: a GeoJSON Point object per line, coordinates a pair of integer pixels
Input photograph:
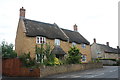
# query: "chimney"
{"type": "Point", "coordinates": [75, 27]}
{"type": "Point", "coordinates": [107, 43]}
{"type": "Point", "coordinates": [94, 40]}
{"type": "Point", "coordinates": [117, 47]}
{"type": "Point", "coordinates": [118, 50]}
{"type": "Point", "coordinates": [22, 12]}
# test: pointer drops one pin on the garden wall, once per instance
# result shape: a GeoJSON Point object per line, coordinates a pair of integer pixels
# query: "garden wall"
{"type": "Point", "coordinates": [13, 67]}
{"type": "Point", "coordinates": [108, 62]}
{"type": "Point", "coordinates": [50, 70]}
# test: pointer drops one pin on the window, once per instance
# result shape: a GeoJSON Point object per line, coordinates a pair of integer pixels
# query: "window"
{"type": "Point", "coordinates": [40, 40]}
{"type": "Point", "coordinates": [57, 42]}
{"type": "Point", "coordinates": [39, 58]}
{"type": "Point", "coordinates": [83, 58]}
{"type": "Point", "coordinates": [98, 52]}
{"type": "Point", "coordinates": [83, 45]}
{"type": "Point", "coordinates": [73, 43]}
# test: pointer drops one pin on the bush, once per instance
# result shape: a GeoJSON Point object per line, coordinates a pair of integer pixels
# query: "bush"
{"type": "Point", "coordinates": [27, 61]}
{"type": "Point", "coordinates": [56, 61]}
{"type": "Point", "coordinates": [45, 51]}
{"type": "Point", "coordinates": [74, 56]}
{"type": "Point", "coordinates": [7, 50]}
{"type": "Point", "coordinates": [40, 53]}
{"type": "Point", "coordinates": [118, 62]}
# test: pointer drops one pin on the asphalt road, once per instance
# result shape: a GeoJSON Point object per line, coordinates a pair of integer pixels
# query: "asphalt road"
{"type": "Point", "coordinates": [105, 72]}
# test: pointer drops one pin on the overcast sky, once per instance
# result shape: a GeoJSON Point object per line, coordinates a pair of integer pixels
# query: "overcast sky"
{"type": "Point", "coordinates": [94, 18]}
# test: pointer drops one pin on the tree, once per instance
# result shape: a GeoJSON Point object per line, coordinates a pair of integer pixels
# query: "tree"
{"type": "Point", "coordinates": [7, 50]}
{"type": "Point", "coordinates": [74, 56]}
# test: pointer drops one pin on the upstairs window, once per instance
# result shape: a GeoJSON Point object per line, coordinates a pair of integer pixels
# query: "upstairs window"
{"type": "Point", "coordinates": [73, 44]}
{"type": "Point", "coordinates": [83, 58]}
{"type": "Point", "coordinates": [57, 42]}
{"type": "Point", "coordinates": [40, 40]}
{"type": "Point", "coordinates": [83, 45]}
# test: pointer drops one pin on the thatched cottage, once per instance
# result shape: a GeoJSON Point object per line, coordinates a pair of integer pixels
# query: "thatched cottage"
{"type": "Point", "coordinates": [31, 33]}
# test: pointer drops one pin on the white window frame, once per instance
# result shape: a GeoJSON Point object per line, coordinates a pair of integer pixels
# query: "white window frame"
{"type": "Point", "coordinates": [73, 44]}
{"type": "Point", "coordinates": [84, 59]}
{"type": "Point", "coordinates": [83, 45]}
{"type": "Point", "coordinates": [40, 41]}
{"type": "Point", "coordinates": [57, 42]}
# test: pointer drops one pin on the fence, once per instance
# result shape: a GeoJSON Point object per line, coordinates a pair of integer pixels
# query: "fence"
{"type": "Point", "coordinates": [13, 67]}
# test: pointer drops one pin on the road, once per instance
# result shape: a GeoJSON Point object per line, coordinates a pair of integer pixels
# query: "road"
{"type": "Point", "coordinates": [105, 72]}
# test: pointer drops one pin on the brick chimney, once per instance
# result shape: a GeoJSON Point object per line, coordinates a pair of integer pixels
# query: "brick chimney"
{"type": "Point", "coordinates": [22, 12]}
{"type": "Point", "coordinates": [118, 47]}
{"type": "Point", "coordinates": [118, 50]}
{"type": "Point", "coordinates": [107, 43]}
{"type": "Point", "coordinates": [94, 40]}
{"type": "Point", "coordinates": [75, 27]}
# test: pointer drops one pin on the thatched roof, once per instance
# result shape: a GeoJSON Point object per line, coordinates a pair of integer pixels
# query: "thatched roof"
{"type": "Point", "coordinates": [58, 50]}
{"type": "Point", "coordinates": [75, 36]}
{"type": "Point", "coordinates": [51, 31]}
{"type": "Point", "coordinates": [108, 49]}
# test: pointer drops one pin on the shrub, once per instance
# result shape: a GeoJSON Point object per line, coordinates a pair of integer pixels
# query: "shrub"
{"type": "Point", "coordinates": [27, 60]}
{"type": "Point", "coordinates": [7, 50]}
{"type": "Point", "coordinates": [45, 51]}
{"type": "Point", "coordinates": [74, 56]}
{"type": "Point", "coordinates": [40, 53]}
{"type": "Point", "coordinates": [53, 62]}
{"type": "Point", "coordinates": [57, 61]}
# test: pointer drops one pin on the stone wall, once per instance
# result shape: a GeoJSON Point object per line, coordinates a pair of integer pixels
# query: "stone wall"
{"type": "Point", "coordinates": [108, 62]}
{"type": "Point", "coordinates": [50, 70]}
{"type": "Point", "coordinates": [111, 55]}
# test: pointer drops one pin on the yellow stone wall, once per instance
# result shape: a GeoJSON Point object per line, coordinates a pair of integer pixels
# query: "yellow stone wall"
{"type": "Point", "coordinates": [24, 44]}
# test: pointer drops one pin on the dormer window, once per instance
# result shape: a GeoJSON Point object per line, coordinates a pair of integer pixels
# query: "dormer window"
{"type": "Point", "coordinates": [83, 45]}
{"type": "Point", "coordinates": [73, 44]}
{"type": "Point", "coordinates": [40, 40]}
{"type": "Point", "coordinates": [57, 42]}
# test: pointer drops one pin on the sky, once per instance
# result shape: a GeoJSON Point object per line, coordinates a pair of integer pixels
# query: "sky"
{"type": "Point", "coordinates": [94, 18]}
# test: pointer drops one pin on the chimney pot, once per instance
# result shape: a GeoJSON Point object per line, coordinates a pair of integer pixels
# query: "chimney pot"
{"type": "Point", "coordinates": [107, 43]}
{"type": "Point", "coordinates": [94, 40]}
{"type": "Point", "coordinates": [22, 12]}
{"type": "Point", "coordinates": [75, 27]}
